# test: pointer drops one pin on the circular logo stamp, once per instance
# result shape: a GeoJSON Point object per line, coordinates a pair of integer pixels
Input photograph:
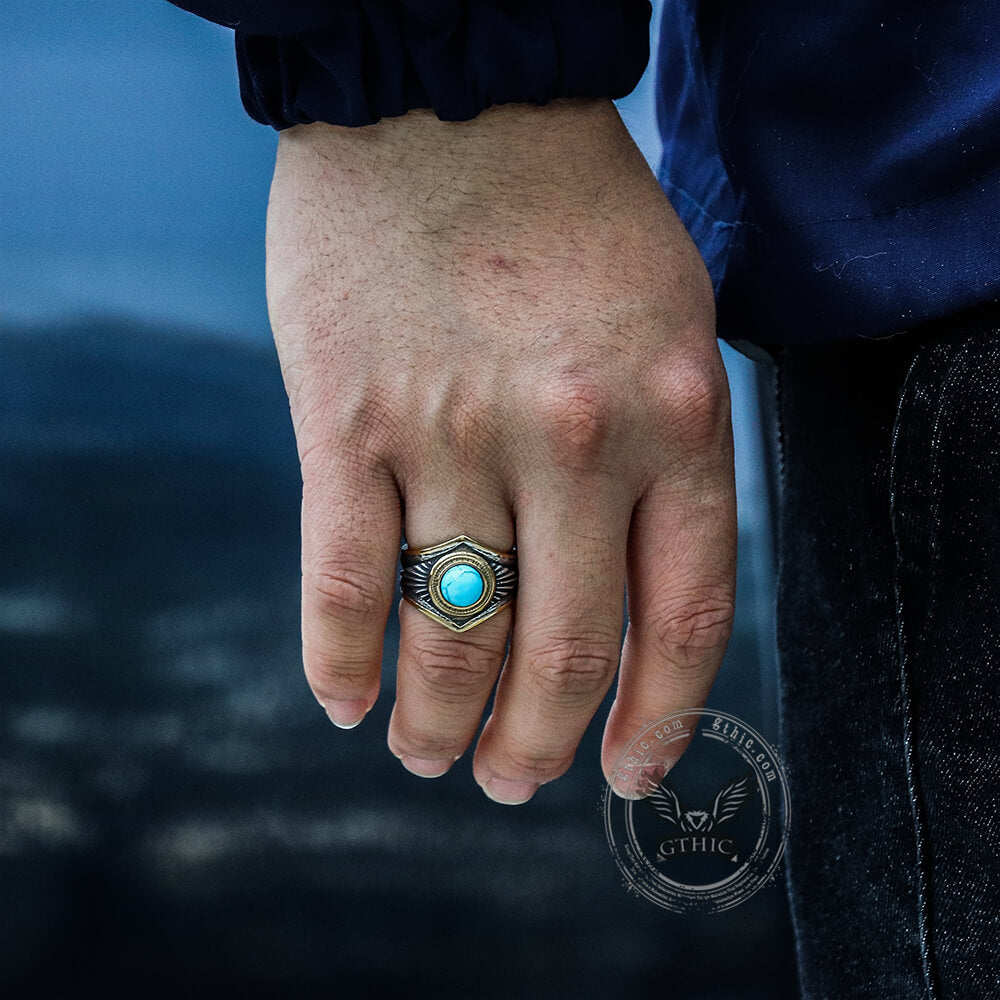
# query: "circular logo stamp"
{"type": "Point", "coordinates": [707, 832]}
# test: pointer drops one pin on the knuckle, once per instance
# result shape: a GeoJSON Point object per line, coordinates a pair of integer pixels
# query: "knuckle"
{"type": "Point", "coordinates": [695, 629]}
{"type": "Point", "coordinates": [355, 420]}
{"type": "Point", "coordinates": [314, 458]}
{"type": "Point", "coordinates": [428, 745]}
{"type": "Point", "coordinates": [454, 667]}
{"type": "Point", "coordinates": [575, 668]}
{"type": "Point", "coordinates": [468, 426]}
{"type": "Point", "coordinates": [577, 415]}
{"type": "Point", "coordinates": [337, 666]}
{"type": "Point", "coordinates": [537, 765]}
{"type": "Point", "coordinates": [693, 397]}
{"type": "Point", "coordinates": [370, 425]}
{"type": "Point", "coordinates": [335, 673]}
{"type": "Point", "coordinates": [350, 594]}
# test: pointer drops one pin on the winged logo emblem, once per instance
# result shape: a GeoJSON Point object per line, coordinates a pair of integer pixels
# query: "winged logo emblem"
{"type": "Point", "coordinates": [727, 804]}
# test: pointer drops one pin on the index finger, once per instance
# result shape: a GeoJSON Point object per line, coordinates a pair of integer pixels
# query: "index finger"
{"type": "Point", "coordinates": [350, 544]}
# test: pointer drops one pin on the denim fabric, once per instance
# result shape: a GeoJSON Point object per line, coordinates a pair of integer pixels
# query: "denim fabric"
{"type": "Point", "coordinates": [889, 634]}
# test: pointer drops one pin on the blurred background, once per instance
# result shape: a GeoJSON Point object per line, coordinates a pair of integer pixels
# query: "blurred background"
{"type": "Point", "coordinates": [177, 817]}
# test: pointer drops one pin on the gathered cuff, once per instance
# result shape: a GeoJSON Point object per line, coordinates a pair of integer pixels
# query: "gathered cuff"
{"type": "Point", "coordinates": [374, 59]}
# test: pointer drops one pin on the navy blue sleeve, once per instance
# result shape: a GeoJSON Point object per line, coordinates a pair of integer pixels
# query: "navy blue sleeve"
{"type": "Point", "coordinates": [353, 62]}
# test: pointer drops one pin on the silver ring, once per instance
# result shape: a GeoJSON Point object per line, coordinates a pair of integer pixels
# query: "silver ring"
{"type": "Point", "coordinates": [459, 583]}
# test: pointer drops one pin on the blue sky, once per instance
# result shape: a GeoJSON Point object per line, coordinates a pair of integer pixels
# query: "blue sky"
{"type": "Point", "coordinates": [131, 181]}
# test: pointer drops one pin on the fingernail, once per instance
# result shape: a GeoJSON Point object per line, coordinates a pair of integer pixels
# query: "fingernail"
{"type": "Point", "coordinates": [425, 768]}
{"type": "Point", "coordinates": [639, 783]}
{"type": "Point", "coordinates": [346, 714]}
{"type": "Point", "coordinates": [509, 793]}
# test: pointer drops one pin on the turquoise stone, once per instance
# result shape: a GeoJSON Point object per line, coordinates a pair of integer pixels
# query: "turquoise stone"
{"type": "Point", "coordinates": [462, 585]}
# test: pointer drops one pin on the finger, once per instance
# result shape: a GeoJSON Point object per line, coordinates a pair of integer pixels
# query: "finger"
{"type": "Point", "coordinates": [565, 645]}
{"type": "Point", "coordinates": [445, 678]}
{"type": "Point", "coordinates": [350, 545]}
{"type": "Point", "coordinates": [681, 583]}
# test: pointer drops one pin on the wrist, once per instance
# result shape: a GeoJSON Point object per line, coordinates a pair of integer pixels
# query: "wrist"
{"type": "Point", "coordinates": [501, 144]}
{"type": "Point", "coordinates": [514, 168]}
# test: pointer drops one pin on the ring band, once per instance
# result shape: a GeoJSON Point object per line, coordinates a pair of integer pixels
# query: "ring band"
{"type": "Point", "coordinates": [459, 583]}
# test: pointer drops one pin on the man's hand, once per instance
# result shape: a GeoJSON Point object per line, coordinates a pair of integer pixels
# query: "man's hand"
{"type": "Point", "coordinates": [499, 328]}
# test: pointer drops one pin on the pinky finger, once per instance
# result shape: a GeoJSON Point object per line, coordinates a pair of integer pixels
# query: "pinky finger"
{"type": "Point", "coordinates": [682, 574]}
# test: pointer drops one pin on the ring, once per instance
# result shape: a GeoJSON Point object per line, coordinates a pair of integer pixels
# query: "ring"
{"type": "Point", "coordinates": [459, 583]}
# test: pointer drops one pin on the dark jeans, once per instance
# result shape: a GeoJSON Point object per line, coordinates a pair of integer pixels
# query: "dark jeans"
{"type": "Point", "coordinates": [889, 634]}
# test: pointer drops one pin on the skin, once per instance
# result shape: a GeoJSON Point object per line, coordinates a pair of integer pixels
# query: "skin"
{"type": "Point", "coordinates": [500, 328]}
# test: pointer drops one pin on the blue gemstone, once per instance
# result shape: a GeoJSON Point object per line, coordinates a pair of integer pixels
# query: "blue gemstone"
{"type": "Point", "coordinates": [462, 585]}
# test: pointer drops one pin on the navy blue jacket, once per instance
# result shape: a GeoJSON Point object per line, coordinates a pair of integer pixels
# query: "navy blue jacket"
{"type": "Point", "coordinates": [839, 167]}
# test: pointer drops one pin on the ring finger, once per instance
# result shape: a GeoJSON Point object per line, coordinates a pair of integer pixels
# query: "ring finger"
{"type": "Point", "coordinates": [444, 678]}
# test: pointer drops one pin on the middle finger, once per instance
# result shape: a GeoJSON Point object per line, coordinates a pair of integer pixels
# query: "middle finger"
{"type": "Point", "coordinates": [567, 636]}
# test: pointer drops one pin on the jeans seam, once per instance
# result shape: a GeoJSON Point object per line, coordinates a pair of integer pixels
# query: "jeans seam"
{"type": "Point", "coordinates": [924, 922]}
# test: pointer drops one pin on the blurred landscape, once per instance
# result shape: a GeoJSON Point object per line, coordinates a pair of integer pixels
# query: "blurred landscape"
{"type": "Point", "coordinates": [177, 816]}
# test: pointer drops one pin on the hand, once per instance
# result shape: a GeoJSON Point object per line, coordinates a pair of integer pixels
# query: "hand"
{"type": "Point", "coordinates": [500, 328]}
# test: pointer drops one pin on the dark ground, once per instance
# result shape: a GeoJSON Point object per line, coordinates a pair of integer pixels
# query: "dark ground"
{"type": "Point", "coordinates": [177, 816]}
